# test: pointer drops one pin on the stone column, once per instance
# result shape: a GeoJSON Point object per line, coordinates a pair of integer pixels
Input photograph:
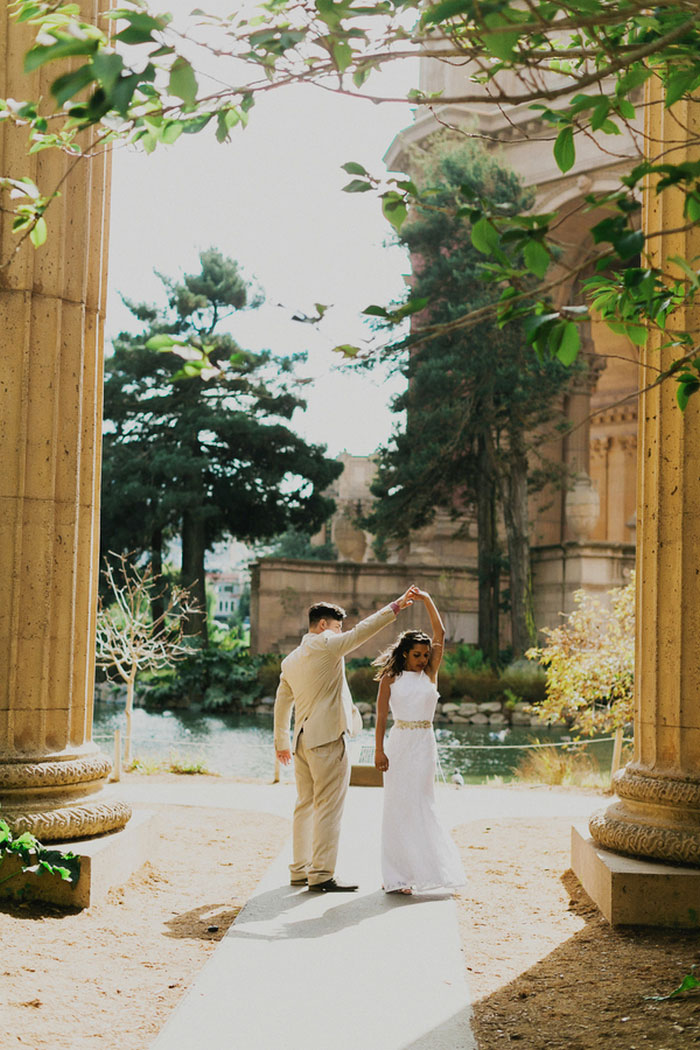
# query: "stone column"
{"type": "Point", "coordinates": [52, 777]}
{"type": "Point", "coordinates": [581, 489]}
{"type": "Point", "coordinates": [658, 812]}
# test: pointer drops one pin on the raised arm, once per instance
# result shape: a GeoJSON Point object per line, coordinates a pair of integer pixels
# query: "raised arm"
{"type": "Point", "coordinates": [438, 629]}
{"type": "Point", "coordinates": [380, 759]}
{"type": "Point", "coordinates": [344, 643]}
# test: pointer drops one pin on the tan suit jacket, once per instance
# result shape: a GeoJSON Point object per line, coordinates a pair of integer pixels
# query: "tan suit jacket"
{"type": "Point", "coordinates": [313, 682]}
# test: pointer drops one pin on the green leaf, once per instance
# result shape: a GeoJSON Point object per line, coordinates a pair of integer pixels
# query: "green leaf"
{"type": "Point", "coordinates": [39, 233]}
{"type": "Point", "coordinates": [140, 29]}
{"type": "Point", "coordinates": [161, 342]}
{"type": "Point", "coordinates": [357, 186]}
{"type": "Point", "coordinates": [441, 12]}
{"type": "Point", "coordinates": [394, 209]}
{"type": "Point", "coordinates": [221, 127]}
{"type": "Point", "coordinates": [564, 149]}
{"type": "Point", "coordinates": [183, 82]}
{"type": "Point", "coordinates": [108, 68]}
{"type": "Point", "coordinates": [637, 333]}
{"type": "Point", "coordinates": [353, 168]}
{"type": "Point", "coordinates": [683, 394]}
{"type": "Point", "coordinates": [536, 258]}
{"type": "Point", "coordinates": [625, 108]}
{"type": "Point", "coordinates": [65, 47]}
{"type": "Point", "coordinates": [342, 56]}
{"type": "Point", "coordinates": [485, 237]}
{"type": "Point", "coordinates": [347, 350]}
{"type": "Point", "coordinates": [680, 83]}
{"type": "Point", "coordinates": [171, 132]}
{"type": "Point", "coordinates": [689, 982]}
{"type": "Point", "coordinates": [570, 344]}
{"type": "Point", "coordinates": [692, 206]}
{"type": "Point", "coordinates": [690, 273]}
{"type": "Point", "coordinates": [501, 44]}
{"type": "Point", "coordinates": [70, 84]}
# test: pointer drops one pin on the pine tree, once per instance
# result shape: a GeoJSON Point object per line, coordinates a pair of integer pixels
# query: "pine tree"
{"type": "Point", "coordinates": [210, 453]}
{"type": "Point", "coordinates": [476, 401]}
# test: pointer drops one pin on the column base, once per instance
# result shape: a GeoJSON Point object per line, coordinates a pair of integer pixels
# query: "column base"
{"type": "Point", "coordinates": [60, 797]}
{"type": "Point", "coordinates": [629, 891]}
{"type": "Point", "coordinates": [105, 861]}
{"type": "Point", "coordinates": [657, 816]}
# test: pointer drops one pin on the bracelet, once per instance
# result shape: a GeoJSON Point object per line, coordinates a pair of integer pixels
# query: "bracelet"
{"type": "Point", "coordinates": [395, 608]}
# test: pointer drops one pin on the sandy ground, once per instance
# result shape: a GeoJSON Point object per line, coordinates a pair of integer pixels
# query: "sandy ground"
{"type": "Point", "coordinates": [544, 968]}
{"type": "Point", "coordinates": [109, 976]}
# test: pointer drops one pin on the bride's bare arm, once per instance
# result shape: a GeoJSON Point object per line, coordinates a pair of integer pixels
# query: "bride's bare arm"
{"type": "Point", "coordinates": [380, 759]}
{"type": "Point", "coordinates": [438, 629]}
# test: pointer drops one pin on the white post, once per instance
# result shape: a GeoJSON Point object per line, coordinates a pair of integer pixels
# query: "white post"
{"type": "Point", "coordinates": [276, 778]}
{"type": "Point", "coordinates": [117, 767]}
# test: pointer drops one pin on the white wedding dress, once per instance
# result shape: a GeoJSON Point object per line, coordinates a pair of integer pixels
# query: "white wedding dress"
{"type": "Point", "coordinates": [417, 852]}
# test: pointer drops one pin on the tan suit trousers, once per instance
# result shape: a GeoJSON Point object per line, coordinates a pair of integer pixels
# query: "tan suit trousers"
{"type": "Point", "coordinates": [322, 779]}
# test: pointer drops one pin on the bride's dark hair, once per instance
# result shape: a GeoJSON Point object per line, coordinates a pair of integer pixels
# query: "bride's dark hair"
{"type": "Point", "coordinates": [393, 660]}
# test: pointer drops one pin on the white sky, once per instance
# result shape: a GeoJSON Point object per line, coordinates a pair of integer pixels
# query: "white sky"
{"type": "Point", "coordinates": [271, 198]}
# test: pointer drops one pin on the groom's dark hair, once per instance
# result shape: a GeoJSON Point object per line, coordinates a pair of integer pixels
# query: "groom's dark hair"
{"type": "Point", "coordinates": [325, 611]}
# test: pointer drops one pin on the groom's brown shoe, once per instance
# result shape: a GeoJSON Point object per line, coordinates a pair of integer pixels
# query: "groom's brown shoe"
{"type": "Point", "coordinates": [298, 882]}
{"type": "Point", "coordinates": [330, 886]}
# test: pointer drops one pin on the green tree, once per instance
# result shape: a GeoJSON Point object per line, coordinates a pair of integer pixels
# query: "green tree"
{"type": "Point", "coordinates": [297, 545]}
{"type": "Point", "coordinates": [201, 448]}
{"type": "Point", "coordinates": [478, 404]}
{"type": "Point", "coordinates": [579, 65]}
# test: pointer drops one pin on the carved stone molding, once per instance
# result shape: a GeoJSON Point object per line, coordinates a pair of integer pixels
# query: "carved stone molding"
{"type": "Point", "coordinates": [627, 442]}
{"type": "Point", "coordinates": [658, 816]}
{"type": "Point", "coordinates": [614, 830]}
{"type": "Point", "coordinates": [53, 774]}
{"type": "Point", "coordinates": [626, 413]}
{"type": "Point", "coordinates": [600, 446]}
{"type": "Point", "coordinates": [664, 789]}
{"type": "Point", "coordinates": [69, 822]}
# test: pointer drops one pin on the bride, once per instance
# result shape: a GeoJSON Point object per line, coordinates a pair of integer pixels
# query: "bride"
{"type": "Point", "coordinates": [417, 852]}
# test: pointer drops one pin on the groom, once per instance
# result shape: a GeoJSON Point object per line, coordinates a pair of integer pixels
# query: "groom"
{"type": "Point", "coordinates": [313, 683]}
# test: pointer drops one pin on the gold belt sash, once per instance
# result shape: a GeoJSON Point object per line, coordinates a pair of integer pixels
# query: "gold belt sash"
{"type": "Point", "coordinates": [423, 723]}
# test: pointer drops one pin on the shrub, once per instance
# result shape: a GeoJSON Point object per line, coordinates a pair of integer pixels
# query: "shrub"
{"type": "Point", "coordinates": [445, 683]}
{"type": "Point", "coordinates": [362, 684]}
{"type": "Point", "coordinates": [477, 685]}
{"type": "Point", "coordinates": [269, 674]}
{"type": "Point", "coordinates": [215, 678]}
{"type": "Point", "coordinates": [589, 662]}
{"type": "Point", "coordinates": [557, 766]}
{"type": "Point", "coordinates": [525, 680]}
{"type": "Point", "coordinates": [464, 655]}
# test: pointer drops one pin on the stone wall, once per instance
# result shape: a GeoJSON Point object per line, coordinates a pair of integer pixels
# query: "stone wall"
{"type": "Point", "coordinates": [282, 589]}
{"type": "Point", "coordinates": [559, 570]}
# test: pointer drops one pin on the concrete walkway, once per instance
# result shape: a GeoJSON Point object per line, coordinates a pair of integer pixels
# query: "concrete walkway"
{"type": "Point", "coordinates": [362, 971]}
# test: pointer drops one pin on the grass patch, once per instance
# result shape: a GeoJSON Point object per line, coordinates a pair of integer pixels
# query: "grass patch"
{"type": "Point", "coordinates": [189, 766]}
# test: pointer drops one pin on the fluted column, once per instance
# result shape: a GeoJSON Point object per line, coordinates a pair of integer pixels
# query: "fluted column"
{"type": "Point", "coordinates": [658, 812]}
{"type": "Point", "coordinates": [52, 777]}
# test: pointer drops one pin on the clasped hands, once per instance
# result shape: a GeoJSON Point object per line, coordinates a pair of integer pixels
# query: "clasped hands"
{"type": "Point", "coordinates": [413, 594]}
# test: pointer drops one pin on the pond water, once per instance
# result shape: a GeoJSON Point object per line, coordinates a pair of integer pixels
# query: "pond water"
{"type": "Point", "coordinates": [242, 745]}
